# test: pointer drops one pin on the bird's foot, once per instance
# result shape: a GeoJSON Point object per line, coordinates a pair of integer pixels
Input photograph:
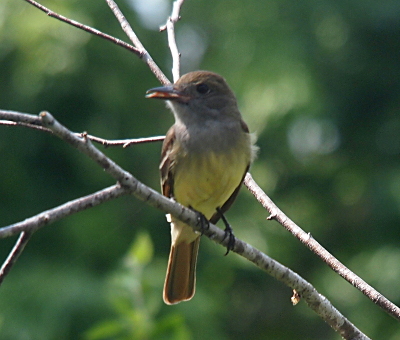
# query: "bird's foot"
{"type": "Point", "coordinates": [202, 221]}
{"type": "Point", "coordinates": [228, 233]}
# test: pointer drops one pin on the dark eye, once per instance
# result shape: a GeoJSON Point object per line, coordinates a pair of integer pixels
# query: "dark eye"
{"type": "Point", "coordinates": [202, 88]}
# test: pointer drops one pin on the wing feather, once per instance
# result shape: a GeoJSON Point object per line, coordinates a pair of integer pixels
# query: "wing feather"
{"type": "Point", "coordinates": [167, 164]}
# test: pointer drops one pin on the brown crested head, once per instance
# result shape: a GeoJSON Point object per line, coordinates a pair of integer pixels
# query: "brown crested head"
{"type": "Point", "coordinates": [203, 84]}
{"type": "Point", "coordinates": [201, 90]}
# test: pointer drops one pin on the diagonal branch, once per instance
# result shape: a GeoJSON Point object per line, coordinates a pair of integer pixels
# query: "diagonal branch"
{"type": "Point", "coordinates": [135, 40]}
{"type": "Point", "coordinates": [19, 246]}
{"type": "Point", "coordinates": [86, 28]}
{"type": "Point", "coordinates": [50, 216]}
{"type": "Point", "coordinates": [139, 50]}
{"type": "Point", "coordinates": [329, 259]}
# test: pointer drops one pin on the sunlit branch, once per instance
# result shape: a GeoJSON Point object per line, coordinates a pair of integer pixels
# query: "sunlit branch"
{"type": "Point", "coordinates": [170, 27]}
{"type": "Point", "coordinates": [125, 142]}
{"type": "Point", "coordinates": [14, 118]}
{"type": "Point", "coordinates": [310, 242]}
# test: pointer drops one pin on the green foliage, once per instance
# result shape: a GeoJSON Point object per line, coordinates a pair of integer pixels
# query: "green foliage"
{"type": "Point", "coordinates": [136, 306]}
{"type": "Point", "coordinates": [318, 81]}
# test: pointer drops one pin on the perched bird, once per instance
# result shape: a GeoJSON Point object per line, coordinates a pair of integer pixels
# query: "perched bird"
{"type": "Point", "coordinates": [205, 156]}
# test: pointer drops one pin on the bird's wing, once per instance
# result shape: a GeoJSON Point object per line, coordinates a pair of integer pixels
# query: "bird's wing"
{"type": "Point", "coordinates": [166, 164]}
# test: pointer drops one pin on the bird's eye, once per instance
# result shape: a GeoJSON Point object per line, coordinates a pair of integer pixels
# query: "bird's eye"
{"type": "Point", "coordinates": [202, 88]}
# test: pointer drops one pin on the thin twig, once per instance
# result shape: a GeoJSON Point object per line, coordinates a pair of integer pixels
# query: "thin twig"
{"type": "Point", "coordinates": [138, 49]}
{"type": "Point", "coordinates": [50, 216]}
{"type": "Point", "coordinates": [31, 126]}
{"type": "Point", "coordinates": [125, 142]}
{"type": "Point", "coordinates": [137, 43]}
{"type": "Point", "coordinates": [170, 27]}
{"type": "Point", "coordinates": [86, 28]}
{"type": "Point", "coordinates": [14, 118]}
{"type": "Point", "coordinates": [310, 242]}
{"type": "Point", "coordinates": [19, 246]}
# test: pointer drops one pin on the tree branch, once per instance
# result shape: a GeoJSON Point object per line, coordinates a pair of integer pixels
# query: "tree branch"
{"type": "Point", "coordinates": [19, 117]}
{"type": "Point", "coordinates": [170, 27]}
{"type": "Point", "coordinates": [86, 28]}
{"type": "Point", "coordinates": [38, 221]}
{"type": "Point", "coordinates": [137, 43]}
{"type": "Point", "coordinates": [125, 142]}
{"type": "Point", "coordinates": [19, 246]}
{"type": "Point", "coordinates": [13, 118]}
{"type": "Point", "coordinates": [316, 248]}
{"type": "Point", "coordinates": [139, 50]}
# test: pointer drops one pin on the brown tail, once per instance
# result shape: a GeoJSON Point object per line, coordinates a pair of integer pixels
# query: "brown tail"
{"type": "Point", "coordinates": [180, 281]}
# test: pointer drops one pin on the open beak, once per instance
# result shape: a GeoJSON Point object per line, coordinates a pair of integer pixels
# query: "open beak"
{"type": "Point", "coordinates": [167, 93]}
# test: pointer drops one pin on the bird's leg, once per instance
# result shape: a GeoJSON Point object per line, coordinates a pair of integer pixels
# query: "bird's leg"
{"type": "Point", "coordinates": [202, 220]}
{"type": "Point", "coordinates": [228, 232]}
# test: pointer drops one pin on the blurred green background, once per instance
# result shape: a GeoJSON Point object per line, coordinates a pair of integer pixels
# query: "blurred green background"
{"type": "Point", "coordinates": [318, 81]}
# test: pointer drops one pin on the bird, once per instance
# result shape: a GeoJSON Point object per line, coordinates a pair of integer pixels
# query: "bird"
{"type": "Point", "coordinates": [204, 158]}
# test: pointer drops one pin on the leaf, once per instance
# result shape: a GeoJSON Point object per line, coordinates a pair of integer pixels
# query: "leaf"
{"type": "Point", "coordinates": [142, 249]}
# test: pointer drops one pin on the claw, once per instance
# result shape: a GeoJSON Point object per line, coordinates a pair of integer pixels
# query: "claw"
{"type": "Point", "coordinates": [231, 242]}
{"type": "Point", "coordinates": [204, 223]}
{"type": "Point", "coordinates": [228, 233]}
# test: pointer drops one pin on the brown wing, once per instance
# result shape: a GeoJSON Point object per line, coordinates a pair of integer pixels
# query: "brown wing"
{"type": "Point", "coordinates": [244, 126]}
{"type": "Point", "coordinates": [166, 164]}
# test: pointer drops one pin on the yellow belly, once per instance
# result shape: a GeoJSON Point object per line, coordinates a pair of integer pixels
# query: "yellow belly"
{"type": "Point", "coordinates": [205, 183]}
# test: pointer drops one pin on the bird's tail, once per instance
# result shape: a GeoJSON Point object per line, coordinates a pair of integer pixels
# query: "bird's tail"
{"type": "Point", "coordinates": [180, 282]}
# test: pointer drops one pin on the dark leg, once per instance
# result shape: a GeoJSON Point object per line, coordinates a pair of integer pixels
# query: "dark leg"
{"type": "Point", "coordinates": [228, 232]}
{"type": "Point", "coordinates": [204, 223]}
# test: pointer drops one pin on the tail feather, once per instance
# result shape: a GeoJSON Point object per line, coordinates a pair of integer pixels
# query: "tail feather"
{"type": "Point", "coordinates": [180, 282]}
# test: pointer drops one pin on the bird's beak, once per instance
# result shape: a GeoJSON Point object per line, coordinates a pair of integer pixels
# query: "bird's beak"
{"type": "Point", "coordinates": [167, 93]}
